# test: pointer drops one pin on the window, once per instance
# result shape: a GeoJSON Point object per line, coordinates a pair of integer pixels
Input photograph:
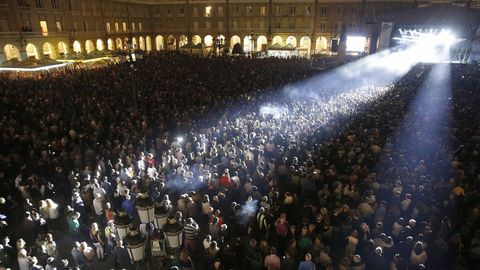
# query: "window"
{"type": "Point", "coordinates": [140, 26]}
{"type": "Point", "coordinates": [208, 25]}
{"type": "Point", "coordinates": [181, 10]}
{"type": "Point", "coordinates": [54, 3]}
{"type": "Point", "coordinates": [220, 10]}
{"type": "Point", "coordinates": [323, 25]}
{"type": "Point", "coordinates": [354, 10]}
{"type": "Point", "coordinates": [117, 29]}
{"type": "Point", "coordinates": [263, 10]}
{"type": "Point", "coordinates": [39, 4]}
{"type": "Point", "coordinates": [278, 10]}
{"type": "Point", "coordinates": [44, 28]}
{"type": "Point", "coordinates": [220, 25]}
{"type": "Point", "coordinates": [124, 26]}
{"type": "Point", "coordinates": [70, 5]}
{"type": "Point", "coordinates": [249, 24]}
{"type": "Point", "coordinates": [307, 25]}
{"type": "Point", "coordinates": [291, 25]}
{"type": "Point", "coordinates": [195, 11]}
{"type": "Point", "coordinates": [234, 24]}
{"type": "Point", "coordinates": [293, 10]}
{"type": "Point", "coordinates": [236, 10]}
{"type": "Point", "coordinates": [278, 24]}
{"type": "Point", "coordinates": [308, 9]}
{"type": "Point", "coordinates": [133, 26]}
{"type": "Point", "coordinates": [169, 10]}
{"type": "Point", "coordinates": [208, 11]}
{"type": "Point", "coordinates": [338, 25]}
{"type": "Point", "coordinates": [75, 26]}
{"type": "Point", "coordinates": [59, 26]}
{"type": "Point", "coordinates": [85, 26]}
{"type": "Point", "coordinates": [339, 10]}
{"type": "Point", "coordinates": [323, 10]}
{"type": "Point", "coordinates": [107, 27]}
{"type": "Point", "coordinates": [21, 3]}
{"type": "Point", "coordinates": [352, 25]}
{"type": "Point", "coordinates": [4, 25]}
{"type": "Point", "coordinates": [249, 9]}
{"type": "Point", "coordinates": [195, 25]}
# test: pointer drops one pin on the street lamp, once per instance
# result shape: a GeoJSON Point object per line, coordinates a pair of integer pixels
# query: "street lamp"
{"type": "Point", "coordinates": [135, 244]}
{"type": "Point", "coordinates": [219, 41]}
{"type": "Point", "coordinates": [173, 230]}
{"type": "Point", "coordinates": [145, 208]}
{"type": "Point", "coordinates": [162, 208]}
{"type": "Point", "coordinates": [252, 43]}
{"type": "Point", "coordinates": [122, 222]}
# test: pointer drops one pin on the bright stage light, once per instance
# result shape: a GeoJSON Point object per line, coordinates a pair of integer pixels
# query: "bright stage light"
{"type": "Point", "coordinates": [356, 44]}
{"type": "Point", "coordinates": [33, 69]}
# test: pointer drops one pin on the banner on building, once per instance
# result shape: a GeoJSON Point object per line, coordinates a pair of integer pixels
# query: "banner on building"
{"type": "Point", "coordinates": [385, 36]}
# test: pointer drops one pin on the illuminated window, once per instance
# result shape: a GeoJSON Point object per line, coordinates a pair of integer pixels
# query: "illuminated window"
{"type": "Point", "coordinates": [133, 26]}
{"type": "Point", "coordinates": [124, 26]}
{"type": "Point", "coordinates": [107, 26]}
{"type": "Point", "coordinates": [263, 10]}
{"type": "Point", "coordinates": [140, 26]}
{"type": "Point", "coordinates": [59, 26]}
{"type": "Point", "coordinates": [208, 11]}
{"type": "Point", "coordinates": [44, 28]}
{"type": "Point", "coordinates": [116, 27]}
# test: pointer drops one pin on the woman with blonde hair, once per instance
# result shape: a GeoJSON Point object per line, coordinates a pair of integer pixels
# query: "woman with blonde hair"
{"type": "Point", "coordinates": [23, 260]}
{"type": "Point", "coordinates": [88, 252]}
{"type": "Point", "coordinates": [97, 241]}
{"type": "Point", "coordinates": [53, 213]}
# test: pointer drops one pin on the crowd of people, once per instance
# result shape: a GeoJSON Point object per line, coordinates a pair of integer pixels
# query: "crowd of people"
{"type": "Point", "coordinates": [258, 179]}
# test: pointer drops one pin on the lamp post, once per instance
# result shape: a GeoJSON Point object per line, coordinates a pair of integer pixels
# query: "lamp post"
{"type": "Point", "coordinates": [145, 208]}
{"type": "Point", "coordinates": [135, 244]}
{"type": "Point", "coordinates": [219, 41]}
{"type": "Point", "coordinates": [122, 222]}
{"type": "Point", "coordinates": [174, 231]}
{"type": "Point", "coordinates": [252, 43]}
